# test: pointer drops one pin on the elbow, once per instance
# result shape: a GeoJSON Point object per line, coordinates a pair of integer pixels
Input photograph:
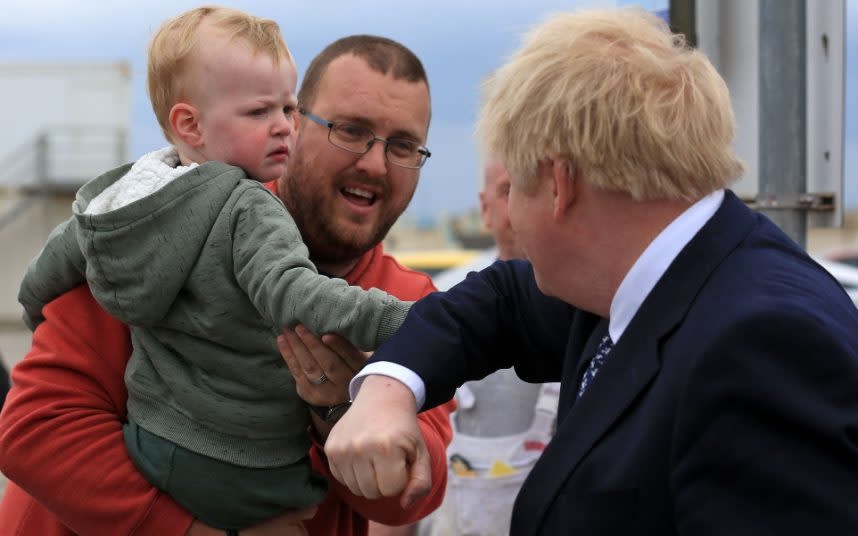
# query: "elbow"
{"type": "Point", "coordinates": [14, 437]}
{"type": "Point", "coordinates": [8, 450]}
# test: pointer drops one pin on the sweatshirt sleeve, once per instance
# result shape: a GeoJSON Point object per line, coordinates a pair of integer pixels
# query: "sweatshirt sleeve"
{"type": "Point", "coordinates": [58, 268]}
{"type": "Point", "coordinates": [272, 266]}
{"type": "Point", "coordinates": [61, 428]}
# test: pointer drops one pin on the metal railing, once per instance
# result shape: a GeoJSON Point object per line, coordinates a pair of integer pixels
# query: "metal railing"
{"type": "Point", "coordinates": [63, 157]}
{"type": "Point", "coordinates": [58, 159]}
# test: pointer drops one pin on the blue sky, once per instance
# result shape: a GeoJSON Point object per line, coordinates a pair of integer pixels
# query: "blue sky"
{"type": "Point", "coordinates": [459, 42]}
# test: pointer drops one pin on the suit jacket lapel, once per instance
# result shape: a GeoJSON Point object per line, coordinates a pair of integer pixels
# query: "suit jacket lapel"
{"type": "Point", "coordinates": [631, 366]}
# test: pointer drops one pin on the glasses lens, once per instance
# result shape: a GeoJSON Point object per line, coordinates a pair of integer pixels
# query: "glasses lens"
{"type": "Point", "coordinates": [403, 152]}
{"type": "Point", "coordinates": [351, 137]}
{"type": "Point", "coordinates": [358, 139]}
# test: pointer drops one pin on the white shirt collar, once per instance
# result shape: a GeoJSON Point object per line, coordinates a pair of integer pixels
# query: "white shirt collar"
{"type": "Point", "coordinates": [656, 258]}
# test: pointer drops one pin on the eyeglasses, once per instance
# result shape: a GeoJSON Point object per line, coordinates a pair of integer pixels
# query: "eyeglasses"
{"type": "Point", "coordinates": [358, 139]}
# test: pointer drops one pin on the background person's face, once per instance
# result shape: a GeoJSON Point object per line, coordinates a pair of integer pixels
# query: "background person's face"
{"type": "Point", "coordinates": [494, 208]}
{"type": "Point", "coordinates": [531, 217]}
{"type": "Point", "coordinates": [344, 203]}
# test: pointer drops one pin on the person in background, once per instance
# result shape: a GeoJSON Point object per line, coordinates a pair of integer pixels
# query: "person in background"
{"type": "Point", "coordinates": [61, 431]}
{"type": "Point", "coordinates": [501, 424]}
{"type": "Point", "coordinates": [494, 209]}
{"type": "Point", "coordinates": [708, 365]}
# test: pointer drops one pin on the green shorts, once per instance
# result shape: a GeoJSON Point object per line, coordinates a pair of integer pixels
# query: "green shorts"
{"type": "Point", "coordinates": [220, 494]}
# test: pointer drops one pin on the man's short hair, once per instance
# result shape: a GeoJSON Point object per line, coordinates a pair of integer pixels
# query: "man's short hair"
{"type": "Point", "coordinates": [174, 42]}
{"type": "Point", "coordinates": [383, 55]}
{"type": "Point", "coordinates": [625, 102]}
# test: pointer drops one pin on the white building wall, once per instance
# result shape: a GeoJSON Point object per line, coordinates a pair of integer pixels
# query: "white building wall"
{"type": "Point", "coordinates": [80, 106]}
{"type": "Point", "coordinates": [82, 114]}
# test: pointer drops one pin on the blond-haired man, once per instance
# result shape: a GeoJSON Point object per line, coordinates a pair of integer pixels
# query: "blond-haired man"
{"type": "Point", "coordinates": [708, 365]}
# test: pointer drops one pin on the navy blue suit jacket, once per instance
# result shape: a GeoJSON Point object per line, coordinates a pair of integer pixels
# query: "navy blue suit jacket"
{"type": "Point", "coordinates": [728, 406]}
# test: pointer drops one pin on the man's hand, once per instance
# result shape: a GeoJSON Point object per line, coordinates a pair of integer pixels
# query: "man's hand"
{"type": "Point", "coordinates": [376, 449]}
{"type": "Point", "coordinates": [310, 357]}
{"type": "Point", "coordinates": [288, 524]}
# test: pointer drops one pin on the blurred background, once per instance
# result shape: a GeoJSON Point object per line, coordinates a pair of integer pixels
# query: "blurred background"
{"type": "Point", "coordinates": [73, 104]}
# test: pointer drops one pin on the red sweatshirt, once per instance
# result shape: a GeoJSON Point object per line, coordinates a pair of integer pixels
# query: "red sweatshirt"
{"type": "Point", "coordinates": [61, 441]}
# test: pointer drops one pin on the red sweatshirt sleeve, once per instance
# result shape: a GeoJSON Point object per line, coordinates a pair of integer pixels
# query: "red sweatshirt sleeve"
{"type": "Point", "coordinates": [61, 427]}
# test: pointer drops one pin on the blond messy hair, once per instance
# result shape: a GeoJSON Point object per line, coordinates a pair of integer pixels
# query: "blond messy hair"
{"type": "Point", "coordinates": [175, 40]}
{"type": "Point", "coordinates": [620, 98]}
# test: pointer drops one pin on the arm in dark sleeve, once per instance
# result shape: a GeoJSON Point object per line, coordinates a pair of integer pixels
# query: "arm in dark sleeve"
{"type": "Point", "coordinates": [767, 432]}
{"type": "Point", "coordinates": [272, 265]}
{"type": "Point", "coordinates": [58, 268]}
{"type": "Point", "coordinates": [494, 319]}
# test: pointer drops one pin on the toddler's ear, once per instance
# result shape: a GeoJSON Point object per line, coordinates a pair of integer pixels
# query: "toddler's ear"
{"type": "Point", "coordinates": [184, 122]}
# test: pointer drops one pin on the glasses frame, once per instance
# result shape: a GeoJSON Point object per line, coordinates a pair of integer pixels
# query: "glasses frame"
{"type": "Point", "coordinates": [422, 150]}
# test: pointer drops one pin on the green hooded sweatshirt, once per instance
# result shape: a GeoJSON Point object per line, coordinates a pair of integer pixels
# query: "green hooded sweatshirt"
{"type": "Point", "coordinates": [206, 270]}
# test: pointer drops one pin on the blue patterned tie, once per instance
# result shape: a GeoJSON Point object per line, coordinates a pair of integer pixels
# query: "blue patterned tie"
{"type": "Point", "coordinates": [590, 374]}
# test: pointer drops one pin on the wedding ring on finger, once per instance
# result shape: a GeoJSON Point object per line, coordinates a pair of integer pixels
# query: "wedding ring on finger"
{"type": "Point", "coordinates": [320, 380]}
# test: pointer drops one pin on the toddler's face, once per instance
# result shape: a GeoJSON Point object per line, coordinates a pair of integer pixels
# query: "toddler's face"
{"type": "Point", "coordinates": [247, 111]}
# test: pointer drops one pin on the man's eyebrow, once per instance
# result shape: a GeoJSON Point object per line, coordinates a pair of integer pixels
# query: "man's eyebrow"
{"type": "Point", "coordinates": [352, 119]}
{"type": "Point", "coordinates": [404, 134]}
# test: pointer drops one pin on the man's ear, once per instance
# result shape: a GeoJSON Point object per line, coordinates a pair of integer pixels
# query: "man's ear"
{"type": "Point", "coordinates": [184, 122]}
{"type": "Point", "coordinates": [563, 175]}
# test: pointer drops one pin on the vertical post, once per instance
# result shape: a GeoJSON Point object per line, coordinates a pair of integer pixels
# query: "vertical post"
{"type": "Point", "coordinates": [683, 19]}
{"type": "Point", "coordinates": [41, 167]}
{"type": "Point", "coordinates": [121, 146]}
{"type": "Point", "coordinates": [783, 110]}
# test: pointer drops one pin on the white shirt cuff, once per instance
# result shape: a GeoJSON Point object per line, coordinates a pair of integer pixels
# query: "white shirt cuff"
{"type": "Point", "coordinates": [392, 370]}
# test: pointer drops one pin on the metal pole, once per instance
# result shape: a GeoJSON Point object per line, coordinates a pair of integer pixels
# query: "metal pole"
{"type": "Point", "coordinates": [42, 160]}
{"type": "Point", "coordinates": [683, 19]}
{"type": "Point", "coordinates": [122, 145]}
{"type": "Point", "coordinates": [783, 110]}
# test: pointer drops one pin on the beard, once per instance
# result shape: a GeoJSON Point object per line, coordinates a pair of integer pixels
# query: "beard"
{"type": "Point", "coordinates": [310, 200]}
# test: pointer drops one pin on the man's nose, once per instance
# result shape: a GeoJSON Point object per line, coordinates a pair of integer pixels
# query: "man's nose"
{"type": "Point", "coordinates": [374, 161]}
